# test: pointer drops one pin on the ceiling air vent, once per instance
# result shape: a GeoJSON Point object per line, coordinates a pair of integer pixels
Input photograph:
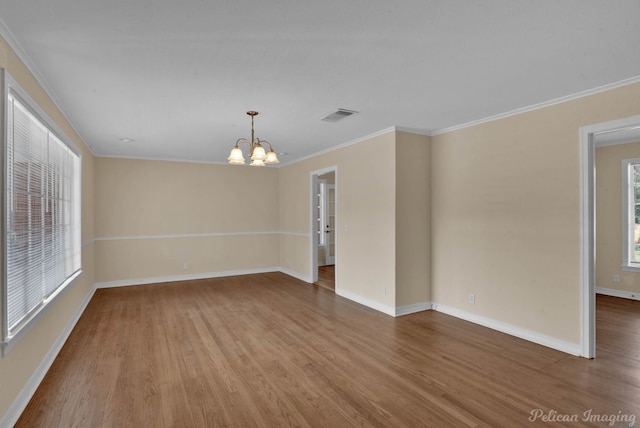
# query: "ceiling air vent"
{"type": "Point", "coordinates": [338, 115]}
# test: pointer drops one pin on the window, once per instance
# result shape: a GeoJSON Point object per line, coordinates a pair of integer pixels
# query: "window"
{"type": "Point", "coordinates": [631, 214]}
{"type": "Point", "coordinates": [42, 208]}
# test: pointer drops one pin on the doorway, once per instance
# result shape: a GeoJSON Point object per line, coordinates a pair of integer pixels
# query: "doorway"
{"type": "Point", "coordinates": [323, 227]}
{"type": "Point", "coordinates": [590, 137]}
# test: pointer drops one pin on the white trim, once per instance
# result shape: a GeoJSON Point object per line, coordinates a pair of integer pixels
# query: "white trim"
{"type": "Point", "coordinates": [296, 275]}
{"type": "Point", "coordinates": [628, 215]}
{"type": "Point", "coordinates": [633, 295]}
{"type": "Point", "coordinates": [159, 159]}
{"type": "Point", "coordinates": [529, 335]}
{"type": "Point", "coordinates": [413, 308]}
{"type": "Point", "coordinates": [186, 277]}
{"type": "Point", "coordinates": [587, 146]}
{"type": "Point", "coordinates": [340, 146]}
{"type": "Point", "coordinates": [366, 302]}
{"type": "Point", "coordinates": [301, 235]}
{"type": "Point", "coordinates": [599, 144]}
{"type": "Point", "coordinates": [623, 124]}
{"type": "Point", "coordinates": [33, 319]}
{"type": "Point", "coordinates": [89, 242]}
{"type": "Point", "coordinates": [21, 401]}
{"type": "Point", "coordinates": [413, 131]}
{"type": "Point", "coordinates": [197, 235]}
{"type": "Point", "coordinates": [586, 251]}
{"type": "Point", "coordinates": [544, 104]}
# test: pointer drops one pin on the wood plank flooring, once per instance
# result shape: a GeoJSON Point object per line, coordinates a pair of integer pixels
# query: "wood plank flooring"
{"type": "Point", "coordinates": [269, 350]}
{"type": "Point", "coordinates": [327, 277]}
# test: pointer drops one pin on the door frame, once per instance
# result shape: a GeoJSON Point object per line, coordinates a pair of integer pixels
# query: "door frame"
{"type": "Point", "coordinates": [588, 227]}
{"type": "Point", "coordinates": [313, 221]}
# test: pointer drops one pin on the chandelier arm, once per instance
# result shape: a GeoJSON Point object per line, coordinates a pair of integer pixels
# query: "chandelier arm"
{"type": "Point", "coordinates": [242, 140]}
{"type": "Point", "coordinates": [265, 141]}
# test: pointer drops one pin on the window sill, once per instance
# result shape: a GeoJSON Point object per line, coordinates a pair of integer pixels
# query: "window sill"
{"type": "Point", "coordinates": [629, 268]}
{"type": "Point", "coordinates": [10, 342]}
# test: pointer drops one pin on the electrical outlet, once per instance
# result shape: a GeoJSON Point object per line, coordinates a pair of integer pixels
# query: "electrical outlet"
{"type": "Point", "coordinates": [472, 298]}
{"type": "Point", "coordinates": [383, 292]}
{"type": "Point", "coordinates": [616, 278]}
{"type": "Point", "coordinates": [185, 266]}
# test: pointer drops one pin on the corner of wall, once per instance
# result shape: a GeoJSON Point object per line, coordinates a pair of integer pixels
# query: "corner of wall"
{"type": "Point", "coordinates": [413, 219]}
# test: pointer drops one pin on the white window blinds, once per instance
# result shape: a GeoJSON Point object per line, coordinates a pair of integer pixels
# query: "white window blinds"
{"type": "Point", "coordinates": [42, 215]}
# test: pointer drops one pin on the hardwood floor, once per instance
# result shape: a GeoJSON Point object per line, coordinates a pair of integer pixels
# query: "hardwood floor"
{"type": "Point", "coordinates": [269, 350]}
{"type": "Point", "coordinates": [327, 277]}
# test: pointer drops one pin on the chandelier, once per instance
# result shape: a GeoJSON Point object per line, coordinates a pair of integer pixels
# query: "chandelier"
{"type": "Point", "coordinates": [259, 157]}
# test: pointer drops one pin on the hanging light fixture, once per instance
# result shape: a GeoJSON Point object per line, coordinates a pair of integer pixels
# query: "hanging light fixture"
{"type": "Point", "coordinates": [259, 157]}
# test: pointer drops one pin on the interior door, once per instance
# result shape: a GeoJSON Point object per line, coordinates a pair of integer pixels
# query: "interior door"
{"type": "Point", "coordinates": [330, 224]}
{"type": "Point", "coordinates": [320, 214]}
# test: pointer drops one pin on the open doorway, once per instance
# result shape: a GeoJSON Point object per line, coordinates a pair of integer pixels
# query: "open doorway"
{"type": "Point", "coordinates": [614, 133]}
{"type": "Point", "coordinates": [323, 228]}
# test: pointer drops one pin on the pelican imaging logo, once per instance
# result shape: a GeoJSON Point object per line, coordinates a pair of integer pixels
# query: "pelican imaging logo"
{"type": "Point", "coordinates": [610, 419]}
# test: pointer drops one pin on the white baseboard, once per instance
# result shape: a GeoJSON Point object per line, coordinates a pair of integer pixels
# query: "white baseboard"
{"type": "Point", "coordinates": [186, 277]}
{"type": "Point", "coordinates": [20, 403]}
{"type": "Point", "coordinates": [618, 293]}
{"type": "Point", "coordinates": [389, 310]}
{"type": "Point", "coordinates": [531, 336]}
{"type": "Point", "coordinates": [366, 302]}
{"type": "Point", "coordinates": [295, 274]}
{"type": "Point", "coordinates": [410, 309]}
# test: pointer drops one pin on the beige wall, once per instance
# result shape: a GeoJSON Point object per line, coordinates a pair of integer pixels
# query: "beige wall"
{"type": "Point", "coordinates": [329, 177]}
{"type": "Point", "coordinates": [152, 217]}
{"type": "Point", "coordinates": [383, 190]}
{"type": "Point", "coordinates": [413, 219]}
{"type": "Point", "coordinates": [609, 217]}
{"type": "Point", "coordinates": [22, 361]}
{"type": "Point", "coordinates": [365, 189]}
{"type": "Point", "coordinates": [505, 214]}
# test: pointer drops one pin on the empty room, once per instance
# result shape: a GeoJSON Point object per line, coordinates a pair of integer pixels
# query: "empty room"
{"type": "Point", "coordinates": [327, 214]}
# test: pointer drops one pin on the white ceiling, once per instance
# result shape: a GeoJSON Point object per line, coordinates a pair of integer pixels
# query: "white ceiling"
{"type": "Point", "coordinates": [178, 77]}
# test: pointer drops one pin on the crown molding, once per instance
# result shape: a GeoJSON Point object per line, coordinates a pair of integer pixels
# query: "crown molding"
{"type": "Point", "coordinates": [340, 146]}
{"type": "Point", "coordinates": [555, 101]}
{"type": "Point", "coordinates": [413, 131]}
{"type": "Point", "coordinates": [17, 48]}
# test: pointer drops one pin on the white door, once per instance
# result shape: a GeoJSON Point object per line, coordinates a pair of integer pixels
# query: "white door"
{"type": "Point", "coordinates": [330, 224]}
{"type": "Point", "coordinates": [321, 215]}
